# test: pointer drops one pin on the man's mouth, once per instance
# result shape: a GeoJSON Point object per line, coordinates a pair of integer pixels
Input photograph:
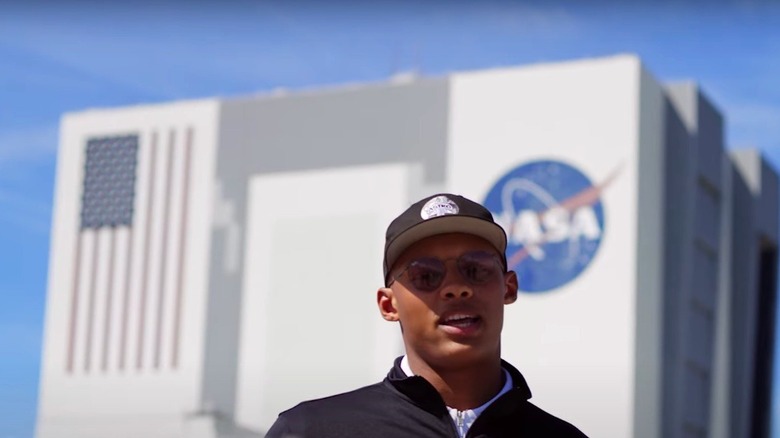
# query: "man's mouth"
{"type": "Point", "coordinates": [460, 320]}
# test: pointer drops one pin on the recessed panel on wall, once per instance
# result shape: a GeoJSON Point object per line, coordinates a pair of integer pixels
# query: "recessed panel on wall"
{"type": "Point", "coordinates": [310, 324]}
{"type": "Point", "coordinates": [552, 152]}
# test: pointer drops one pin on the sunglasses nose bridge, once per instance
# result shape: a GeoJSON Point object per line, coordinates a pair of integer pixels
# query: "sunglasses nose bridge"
{"type": "Point", "coordinates": [455, 285]}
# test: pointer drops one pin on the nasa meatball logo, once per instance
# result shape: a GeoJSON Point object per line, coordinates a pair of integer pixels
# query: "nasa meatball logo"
{"type": "Point", "coordinates": [554, 220]}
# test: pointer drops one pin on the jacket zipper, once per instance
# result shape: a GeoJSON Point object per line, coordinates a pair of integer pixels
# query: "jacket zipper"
{"type": "Point", "coordinates": [459, 415]}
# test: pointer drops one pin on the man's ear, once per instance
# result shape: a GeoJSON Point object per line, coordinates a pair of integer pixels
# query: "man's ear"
{"type": "Point", "coordinates": [386, 304]}
{"type": "Point", "coordinates": [510, 284]}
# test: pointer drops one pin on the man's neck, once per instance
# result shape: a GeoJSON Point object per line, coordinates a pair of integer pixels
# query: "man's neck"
{"type": "Point", "coordinates": [462, 387]}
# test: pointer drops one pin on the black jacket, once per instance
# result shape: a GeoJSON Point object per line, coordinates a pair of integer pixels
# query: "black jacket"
{"type": "Point", "coordinates": [404, 407]}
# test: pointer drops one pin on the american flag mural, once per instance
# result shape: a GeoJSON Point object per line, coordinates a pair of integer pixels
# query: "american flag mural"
{"type": "Point", "coordinates": [129, 259]}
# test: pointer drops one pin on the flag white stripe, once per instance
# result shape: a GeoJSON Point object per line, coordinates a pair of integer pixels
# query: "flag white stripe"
{"type": "Point", "coordinates": [164, 259]}
{"type": "Point", "coordinates": [107, 310]}
{"type": "Point", "coordinates": [88, 250]}
{"type": "Point", "coordinates": [145, 252]}
{"type": "Point", "coordinates": [154, 281]}
{"type": "Point", "coordinates": [91, 300]}
{"type": "Point", "coordinates": [172, 256]}
{"type": "Point", "coordinates": [125, 308]}
{"type": "Point", "coordinates": [182, 249]}
{"type": "Point", "coordinates": [112, 329]}
{"type": "Point", "coordinates": [99, 292]}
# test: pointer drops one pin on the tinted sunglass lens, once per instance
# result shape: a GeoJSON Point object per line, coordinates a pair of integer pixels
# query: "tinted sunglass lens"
{"type": "Point", "coordinates": [478, 267]}
{"type": "Point", "coordinates": [426, 275]}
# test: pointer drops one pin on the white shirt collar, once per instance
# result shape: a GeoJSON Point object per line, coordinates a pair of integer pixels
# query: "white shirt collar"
{"type": "Point", "coordinates": [468, 416]}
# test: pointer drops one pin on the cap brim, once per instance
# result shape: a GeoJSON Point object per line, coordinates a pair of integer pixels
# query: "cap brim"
{"type": "Point", "coordinates": [487, 230]}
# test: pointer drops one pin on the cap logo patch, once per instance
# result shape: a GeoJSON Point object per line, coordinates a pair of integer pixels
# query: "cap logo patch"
{"type": "Point", "coordinates": [439, 206]}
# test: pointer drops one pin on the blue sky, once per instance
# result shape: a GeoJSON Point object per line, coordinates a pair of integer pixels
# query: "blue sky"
{"type": "Point", "coordinates": [57, 57]}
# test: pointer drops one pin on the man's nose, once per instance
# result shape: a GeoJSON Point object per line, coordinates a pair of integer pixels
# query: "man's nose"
{"type": "Point", "coordinates": [455, 286]}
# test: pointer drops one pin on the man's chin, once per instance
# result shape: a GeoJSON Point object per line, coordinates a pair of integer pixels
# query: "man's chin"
{"type": "Point", "coordinates": [464, 353]}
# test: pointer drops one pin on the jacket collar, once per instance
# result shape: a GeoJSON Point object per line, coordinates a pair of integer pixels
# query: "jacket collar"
{"type": "Point", "coordinates": [424, 395]}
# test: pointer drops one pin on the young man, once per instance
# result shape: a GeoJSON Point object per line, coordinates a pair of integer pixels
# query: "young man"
{"type": "Point", "coordinates": [446, 284]}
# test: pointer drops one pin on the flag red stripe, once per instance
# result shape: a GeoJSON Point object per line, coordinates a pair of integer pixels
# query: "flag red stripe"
{"type": "Point", "coordinates": [91, 302]}
{"type": "Point", "coordinates": [164, 256]}
{"type": "Point", "coordinates": [126, 300]}
{"type": "Point", "coordinates": [109, 299]}
{"type": "Point", "coordinates": [145, 253]}
{"type": "Point", "coordinates": [182, 249]}
{"type": "Point", "coordinates": [74, 303]}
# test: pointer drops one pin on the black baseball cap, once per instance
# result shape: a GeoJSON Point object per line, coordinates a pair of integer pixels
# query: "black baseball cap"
{"type": "Point", "coordinates": [441, 213]}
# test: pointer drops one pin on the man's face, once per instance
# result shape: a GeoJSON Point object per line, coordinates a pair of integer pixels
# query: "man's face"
{"type": "Point", "coordinates": [460, 319]}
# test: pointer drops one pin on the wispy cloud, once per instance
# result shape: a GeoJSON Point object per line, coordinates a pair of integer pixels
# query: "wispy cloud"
{"type": "Point", "coordinates": [36, 67]}
{"type": "Point", "coordinates": [24, 213]}
{"type": "Point", "coordinates": [149, 51]}
{"type": "Point", "coordinates": [27, 145]}
{"type": "Point", "coordinates": [26, 157]}
{"type": "Point", "coordinates": [239, 45]}
{"type": "Point", "coordinates": [528, 19]}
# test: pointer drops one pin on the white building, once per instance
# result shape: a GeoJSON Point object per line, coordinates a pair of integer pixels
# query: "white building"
{"type": "Point", "coordinates": [215, 262]}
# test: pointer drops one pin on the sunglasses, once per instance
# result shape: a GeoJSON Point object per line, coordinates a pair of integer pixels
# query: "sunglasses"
{"type": "Point", "coordinates": [426, 274]}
